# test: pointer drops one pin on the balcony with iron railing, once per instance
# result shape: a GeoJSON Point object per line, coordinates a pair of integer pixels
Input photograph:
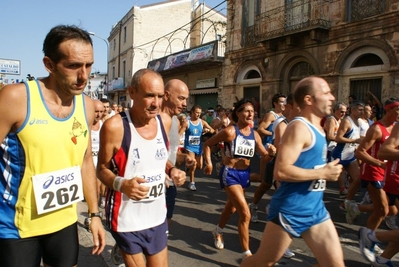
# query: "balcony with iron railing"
{"type": "Point", "coordinates": [299, 16]}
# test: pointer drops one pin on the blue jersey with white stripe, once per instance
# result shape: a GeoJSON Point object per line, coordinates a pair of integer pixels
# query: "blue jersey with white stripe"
{"type": "Point", "coordinates": [303, 198]}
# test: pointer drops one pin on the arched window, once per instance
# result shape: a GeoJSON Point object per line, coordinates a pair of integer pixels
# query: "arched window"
{"type": "Point", "coordinates": [298, 71]}
{"type": "Point", "coordinates": [252, 74]}
{"type": "Point", "coordinates": [367, 60]}
{"type": "Point", "coordinates": [301, 70]}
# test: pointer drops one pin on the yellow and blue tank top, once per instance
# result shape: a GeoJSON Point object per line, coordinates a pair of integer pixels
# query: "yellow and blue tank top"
{"type": "Point", "coordinates": [43, 144]}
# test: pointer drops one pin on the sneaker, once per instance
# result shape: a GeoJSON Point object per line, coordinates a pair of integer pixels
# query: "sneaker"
{"type": "Point", "coordinates": [390, 221]}
{"type": "Point", "coordinates": [218, 240]}
{"type": "Point", "coordinates": [342, 194]}
{"type": "Point", "coordinates": [87, 224]}
{"type": "Point", "coordinates": [366, 199]}
{"type": "Point", "coordinates": [342, 207]}
{"type": "Point", "coordinates": [288, 254]}
{"type": "Point", "coordinates": [378, 263]}
{"type": "Point", "coordinates": [366, 245]}
{"type": "Point", "coordinates": [254, 212]}
{"type": "Point", "coordinates": [116, 256]}
{"type": "Point", "coordinates": [192, 187]}
{"type": "Point", "coordinates": [244, 256]}
{"type": "Point", "coordinates": [351, 211]}
{"type": "Point", "coordinates": [377, 250]}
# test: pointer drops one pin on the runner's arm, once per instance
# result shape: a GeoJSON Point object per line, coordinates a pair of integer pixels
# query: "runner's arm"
{"type": "Point", "coordinates": [373, 134]}
{"type": "Point", "coordinates": [266, 121]}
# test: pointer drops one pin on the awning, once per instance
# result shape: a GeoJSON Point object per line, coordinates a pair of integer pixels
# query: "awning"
{"type": "Point", "coordinates": [203, 91]}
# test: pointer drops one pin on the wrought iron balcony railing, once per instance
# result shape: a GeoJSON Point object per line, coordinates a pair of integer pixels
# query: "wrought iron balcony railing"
{"type": "Point", "coordinates": [294, 17]}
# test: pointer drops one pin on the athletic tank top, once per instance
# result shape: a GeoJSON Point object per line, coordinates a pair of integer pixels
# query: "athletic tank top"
{"type": "Point", "coordinates": [303, 198]}
{"type": "Point", "coordinates": [363, 127]}
{"type": "Point", "coordinates": [242, 146]}
{"type": "Point", "coordinates": [392, 178]}
{"type": "Point", "coordinates": [193, 134]}
{"type": "Point", "coordinates": [95, 143]}
{"type": "Point", "coordinates": [269, 138]}
{"type": "Point", "coordinates": [41, 169]}
{"type": "Point", "coordinates": [139, 157]}
{"type": "Point", "coordinates": [275, 123]}
{"type": "Point", "coordinates": [333, 144]}
{"type": "Point", "coordinates": [369, 172]}
{"type": "Point", "coordinates": [346, 151]}
{"type": "Point", "coordinates": [174, 139]}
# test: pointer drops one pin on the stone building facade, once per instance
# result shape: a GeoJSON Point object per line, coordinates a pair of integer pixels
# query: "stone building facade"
{"type": "Point", "coordinates": [154, 31]}
{"type": "Point", "coordinates": [272, 44]}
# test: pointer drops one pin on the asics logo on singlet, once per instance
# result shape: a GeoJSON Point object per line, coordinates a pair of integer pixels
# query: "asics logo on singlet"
{"type": "Point", "coordinates": [152, 178]}
{"type": "Point", "coordinates": [37, 121]}
{"type": "Point", "coordinates": [58, 179]}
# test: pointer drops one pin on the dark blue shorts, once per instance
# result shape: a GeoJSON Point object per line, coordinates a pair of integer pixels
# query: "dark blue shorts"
{"type": "Point", "coordinates": [57, 249]}
{"type": "Point", "coordinates": [376, 184]}
{"type": "Point", "coordinates": [149, 242]}
{"type": "Point", "coordinates": [171, 193]}
{"type": "Point", "coordinates": [229, 176]}
{"type": "Point", "coordinates": [345, 162]}
{"type": "Point", "coordinates": [296, 225]}
{"type": "Point", "coordinates": [392, 199]}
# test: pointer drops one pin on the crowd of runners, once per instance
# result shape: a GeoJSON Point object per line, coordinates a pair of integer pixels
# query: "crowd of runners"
{"type": "Point", "coordinates": [306, 141]}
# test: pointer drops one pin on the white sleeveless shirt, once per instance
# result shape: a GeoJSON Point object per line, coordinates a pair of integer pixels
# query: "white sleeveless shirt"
{"type": "Point", "coordinates": [146, 159]}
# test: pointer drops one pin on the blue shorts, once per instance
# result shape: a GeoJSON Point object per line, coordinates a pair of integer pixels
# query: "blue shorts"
{"type": "Point", "coordinates": [392, 199]}
{"type": "Point", "coordinates": [296, 225]}
{"type": "Point", "coordinates": [230, 176]}
{"type": "Point", "coordinates": [149, 241]}
{"type": "Point", "coordinates": [345, 162]}
{"type": "Point", "coordinates": [376, 184]}
{"type": "Point", "coordinates": [171, 193]}
{"type": "Point", "coordinates": [196, 151]}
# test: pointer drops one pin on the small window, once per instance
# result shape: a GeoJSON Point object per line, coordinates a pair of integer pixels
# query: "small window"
{"type": "Point", "coordinates": [252, 74]}
{"type": "Point", "coordinates": [367, 60]}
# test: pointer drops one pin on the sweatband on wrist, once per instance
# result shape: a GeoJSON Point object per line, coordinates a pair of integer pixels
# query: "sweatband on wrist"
{"type": "Point", "coordinates": [170, 170]}
{"type": "Point", "coordinates": [118, 183]}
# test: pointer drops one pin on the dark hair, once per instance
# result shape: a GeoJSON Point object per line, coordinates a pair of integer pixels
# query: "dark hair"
{"type": "Point", "coordinates": [238, 106]}
{"type": "Point", "coordinates": [276, 97]}
{"type": "Point", "coordinates": [136, 79]}
{"type": "Point", "coordinates": [290, 99]}
{"type": "Point", "coordinates": [220, 109]}
{"type": "Point", "coordinates": [353, 97]}
{"type": "Point", "coordinates": [391, 100]}
{"type": "Point", "coordinates": [60, 34]}
{"type": "Point", "coordinates": [195, 107]}
{"type": "Point", "coordinates": [105, 100]}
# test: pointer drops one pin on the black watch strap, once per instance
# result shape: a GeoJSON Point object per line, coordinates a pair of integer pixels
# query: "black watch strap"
{"type": "Point", "coordinates": [97, 214]}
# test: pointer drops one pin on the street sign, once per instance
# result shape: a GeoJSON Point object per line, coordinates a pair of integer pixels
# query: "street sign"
{"type": "Point", "coordinates": [10, 66]}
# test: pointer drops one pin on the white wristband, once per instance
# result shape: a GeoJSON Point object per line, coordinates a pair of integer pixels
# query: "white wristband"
{"type": "Point", "coordinates": [118, 183]}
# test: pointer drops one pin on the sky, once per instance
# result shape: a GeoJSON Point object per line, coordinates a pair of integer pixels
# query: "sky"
{"type": "Point", "coordinates": [25, 23]}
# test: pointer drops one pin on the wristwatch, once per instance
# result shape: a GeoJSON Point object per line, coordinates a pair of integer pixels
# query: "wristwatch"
{"type": "Point", "coordinates": [97, 214]}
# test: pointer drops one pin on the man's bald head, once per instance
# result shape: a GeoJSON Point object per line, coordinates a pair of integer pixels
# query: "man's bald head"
{"type": "Point", "coordinates": [176, 95]}
{"type": "Point", "coordinates": [175, 85]}
{"type": "Point", "coordinates": [98, 110]}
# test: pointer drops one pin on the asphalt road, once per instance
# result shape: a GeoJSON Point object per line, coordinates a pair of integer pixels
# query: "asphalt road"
{"type": "Point", "coordinates": [197, 213]}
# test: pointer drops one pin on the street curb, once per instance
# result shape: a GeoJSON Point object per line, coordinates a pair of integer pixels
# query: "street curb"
{"type": "Point", "coordinates": [85, 237]}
